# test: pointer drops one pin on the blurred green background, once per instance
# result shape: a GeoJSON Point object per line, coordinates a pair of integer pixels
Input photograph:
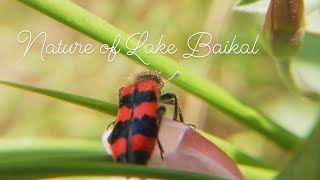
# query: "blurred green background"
{"type": "Point", "coordinates": [251, 78]}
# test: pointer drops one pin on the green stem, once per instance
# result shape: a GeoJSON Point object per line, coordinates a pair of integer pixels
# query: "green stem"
{"type": "Point", "coordinates": [285, 69]}
{"type": "Point", "coordinates": [83, 21]}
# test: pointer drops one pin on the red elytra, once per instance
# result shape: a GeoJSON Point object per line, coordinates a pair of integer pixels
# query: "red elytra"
{"type": "Point", "coordinates": [136, 128]}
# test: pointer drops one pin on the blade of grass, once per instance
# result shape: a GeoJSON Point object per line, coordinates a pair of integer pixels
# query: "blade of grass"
{"type": "Point", "coordinates": [111, 109]}
{"type": "Point", "coordinates": [12, 150]}
{"type": "Point", "coordinates": [53, 158]}
{"type": "Point", "coordinates": [306, 163]}
{"type": "Point", "coordinates": [245, 2]}
{"type": "Point", "coordinates": [83, 21]}
{"type": "Point", "coordinates": [16, 151]}
{"type": "Point", "coordinates": [35, 170]}
{"type": "Point", "coordinates": [90, 103]}
{"type": "Point", "coordinates": [254, 173]}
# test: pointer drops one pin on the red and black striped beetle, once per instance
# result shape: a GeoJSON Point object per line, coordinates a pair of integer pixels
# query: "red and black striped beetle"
{"type": "Point", "coordinates": [139, 116]}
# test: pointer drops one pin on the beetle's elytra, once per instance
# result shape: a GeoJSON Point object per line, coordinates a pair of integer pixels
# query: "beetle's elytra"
{"type": "Point", "coordinates": [139, 116]}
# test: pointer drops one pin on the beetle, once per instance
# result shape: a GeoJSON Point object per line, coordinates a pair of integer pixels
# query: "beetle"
{"type": "Point", "coordinates": [136, 127]}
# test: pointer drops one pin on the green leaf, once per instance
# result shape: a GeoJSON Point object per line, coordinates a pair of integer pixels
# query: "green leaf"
{"type": "Point", "coordinates": [306, 163]}
{"type": "Point", "coordinates": [54, 158]}
{"type": "Point", "coordinates": [244, 2]}
{"type": "Point", "coordinates": [306, 67]}
{"type": "Point", "coordinates": [254, 173]}
{"type": "Point", "coordinates": [90, 103]}
{"type": "Point", "coordinates": [253, 7]}
{"type": "Point", "coordinates": [83, 21]}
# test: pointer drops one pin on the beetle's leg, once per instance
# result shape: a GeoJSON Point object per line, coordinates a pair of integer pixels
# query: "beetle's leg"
{"type": "Point", "coordinates": [109, 138]}
{"type": "Point", "coordinates": [161, 149]}
{"type": "Point", "coordinates": [112, 123]}
{"type": "Point", "coordinates": [119, 95]}
{"type": "Point", "coordinates": [171, 99]}
{"type": "Point", "coordinates": [120, 90]}
{"type": "Point", "coordinates": [161, 111]}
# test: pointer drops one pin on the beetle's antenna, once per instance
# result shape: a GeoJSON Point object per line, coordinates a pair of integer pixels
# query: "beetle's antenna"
{"type": "Point", "coordinates": [158, 72]}
{"type": "Point", "coordinates": [175, 75]}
